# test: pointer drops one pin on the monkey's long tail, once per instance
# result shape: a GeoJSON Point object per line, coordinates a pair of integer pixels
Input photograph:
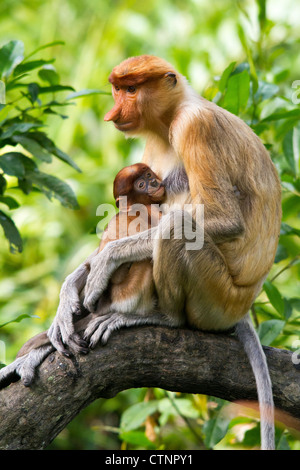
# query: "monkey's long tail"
{"type": "Point", "coordinates": [253, 348]}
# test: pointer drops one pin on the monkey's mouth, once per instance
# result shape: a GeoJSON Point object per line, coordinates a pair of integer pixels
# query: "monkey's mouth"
{"type": "Point", "coordinates": [124, 126]}
{"type": "Point", "coordinates": [158, 193]}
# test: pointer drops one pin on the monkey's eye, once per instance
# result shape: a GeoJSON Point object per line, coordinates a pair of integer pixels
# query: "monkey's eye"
{"type": "Point", "coordinates": [116, 88]}
{"type": "Point", "coordinates": [141, 184]}
{"type": "Point", "coordinates": [148, 175]}
{"type": "Point", "coordinates": [131, 89]}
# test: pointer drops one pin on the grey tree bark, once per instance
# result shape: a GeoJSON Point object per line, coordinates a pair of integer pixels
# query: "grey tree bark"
{"type": "Point", "coordinates": [173, 359]}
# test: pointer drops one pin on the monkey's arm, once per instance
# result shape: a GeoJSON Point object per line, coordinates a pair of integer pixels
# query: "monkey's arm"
{"type": "Point", "coordinates": [62, 331]}
{"type": "Point", "coordinates": [134, 248]}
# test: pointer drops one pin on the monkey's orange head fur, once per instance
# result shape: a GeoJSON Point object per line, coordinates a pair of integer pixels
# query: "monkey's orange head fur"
{"type": "Point", "coordinates": [140, 69]}
{"type": "Point", "coordinates": [124, 185]}
{"type": "Point", "coordinates": [126, 177]}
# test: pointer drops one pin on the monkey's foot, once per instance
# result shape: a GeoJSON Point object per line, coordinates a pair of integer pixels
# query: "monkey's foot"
{"type": "Point", "coordinates": [103, 326]}
{"type": "Point", "coordinates": [24, 367]}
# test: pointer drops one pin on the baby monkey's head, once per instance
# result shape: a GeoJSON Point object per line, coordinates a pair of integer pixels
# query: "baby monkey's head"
{"type": "Point", "coordinates": [140, 184]}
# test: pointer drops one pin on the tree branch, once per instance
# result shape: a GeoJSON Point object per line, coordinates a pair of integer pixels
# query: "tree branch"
{"type": "Point", "coordinates": [178, 360]}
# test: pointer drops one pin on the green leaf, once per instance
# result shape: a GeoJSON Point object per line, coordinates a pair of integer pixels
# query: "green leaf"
{"type": "Point", "coordinates": [281, 253]}
{"type": "Point", "coordinates": [45, 46]}
{"type": "Point", "coordinates": [33, 90]}
{"type": "Point", "coordinates": [18, 319]}
{"type": "Point", "coordinates": [225, 76]}
{"type": "Point", "coordinates": [172, 407]}
{"type": "Point", "coordinates": [9, 202]}
{"type": "Point", "coordinates": [137, 438]}
{"type": "Point", "coordinates": [49, 145]}
{"type": "Point", "coordinates": [19, 128]}
{"type": "Point", "coordinates": [237, 93]}
{"type": "Point", "coordinates": [274, 297]}
{"type": "Point", "coordinates": [15, 82]}
{"type": "Point", "coordinates": [283, 443]}
{"type": "Point", "coordinates": [11, 54]}
{"type": "Point", "coordinates": [33, 147]}
{"type": "Point", "coordinates": [136, 414]}
{"type": "Point", "coordinates": [244, 40]}
{"type": "Point", "coordinates": [54, 187]}
{"type": "Point", "coordinates": [295, 302]}
{"type": "Point", "coordinates": [28, 66]}
{"type": "Point", "coordinates": [65, 158]}
{"type": "Point", "coordinates": [262, 13]}
{"type": "Point", "coordinates": [265, 91]}
{"type": "Point", "coordinates": [51, 111]}
{"type": "Point", "coordinates": [288, 230]}
{"type": "Point", "coordinates": [215, 429]}
{"type": "Point", "coordinates": [3, 184]}
{"type": "Point", "coordinates": [55, 88]}
{"type": "Point", "coordinates": [291, 148]}
{"type": "Point", "coordinates": [283, 114]}
{"type": "Point", "coordinates": [11, 164]}
{"type": "Point", "coordinates": [11, 233]}
{"type": "Point", "coordinates": [288, 308]}
{"type": "Point", "coordinates": [269, 330]}
{"type": "Point", "coordinates": [49, 74]}
{"type": "Point", "coordinates": [25, 185]}
{"type": "Point", "coordinates": [252, 437]}
{"type": "Point", "coordinates": [79, 94]}
{"type": "Point", "coordinates": [2, 92]}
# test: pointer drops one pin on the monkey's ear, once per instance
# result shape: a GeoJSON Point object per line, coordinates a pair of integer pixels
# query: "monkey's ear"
{"type": "Point", "coordinates": [172, 77]}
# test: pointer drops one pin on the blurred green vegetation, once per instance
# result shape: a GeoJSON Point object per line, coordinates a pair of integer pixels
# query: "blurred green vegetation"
{"type": "Point", "coordinates": [244, 55]}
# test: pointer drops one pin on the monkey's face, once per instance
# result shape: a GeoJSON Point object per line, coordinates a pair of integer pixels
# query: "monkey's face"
{"type": "Point", "coordinates": [149, 187]}
{"type": "Point", "coordinates": [143, 99]}
{"type": "Point", "coordinates": [125, 113]}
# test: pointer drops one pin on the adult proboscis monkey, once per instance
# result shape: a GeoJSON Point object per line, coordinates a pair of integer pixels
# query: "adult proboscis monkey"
{"type": "Point", "coordinates": [214, 287]}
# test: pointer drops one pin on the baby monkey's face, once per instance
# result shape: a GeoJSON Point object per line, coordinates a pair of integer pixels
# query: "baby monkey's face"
{"type": "Point", "coordinates": [139, 184]}
{"type": "Point", "coordinates": [149, 184]}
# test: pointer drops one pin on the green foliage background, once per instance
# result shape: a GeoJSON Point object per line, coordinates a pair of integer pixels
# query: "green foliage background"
{"type": "Point", "coordinates": [242, 54]}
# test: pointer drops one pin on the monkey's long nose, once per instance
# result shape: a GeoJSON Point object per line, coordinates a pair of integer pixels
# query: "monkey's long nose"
{"type": "Point", "coordinates": [154, 183]}
{"type": "Point", "coordinates": [113, 114]}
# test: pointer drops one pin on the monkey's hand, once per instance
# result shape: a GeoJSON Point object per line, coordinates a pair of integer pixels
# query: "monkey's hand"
{"type": "Point", "coordinates": [62, 331]}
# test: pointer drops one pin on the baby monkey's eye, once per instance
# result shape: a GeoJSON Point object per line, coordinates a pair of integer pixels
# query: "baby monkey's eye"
{"type": "Point", "coordinates": [148, 175]}
{"type": "Point", "coordinates": [131, 89]}
{"type": "Point", "coordinates": [141, 184]}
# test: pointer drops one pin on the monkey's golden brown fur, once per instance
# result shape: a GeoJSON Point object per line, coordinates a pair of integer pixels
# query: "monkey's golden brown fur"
{"type": "Point", "coordinates": [219, 152]}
